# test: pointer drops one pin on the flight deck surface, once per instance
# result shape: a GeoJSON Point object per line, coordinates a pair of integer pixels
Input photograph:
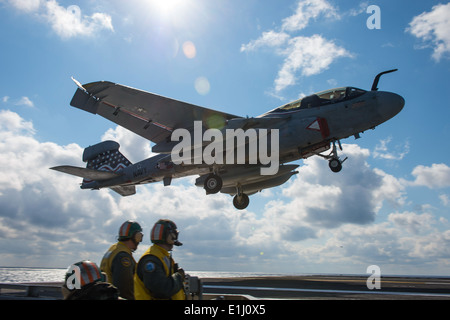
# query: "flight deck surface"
{"type": "Point", "coordinates": [311, 287]}
{"type": "Point", "coordinates": [331, 287]}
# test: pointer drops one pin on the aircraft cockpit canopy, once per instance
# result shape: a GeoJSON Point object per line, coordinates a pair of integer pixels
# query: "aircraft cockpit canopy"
{"type": "Point", "coordinates": [322, 98]}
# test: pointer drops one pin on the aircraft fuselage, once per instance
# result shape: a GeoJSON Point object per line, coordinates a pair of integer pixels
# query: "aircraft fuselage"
{"type": "Point", "coordinates": [299, 129]}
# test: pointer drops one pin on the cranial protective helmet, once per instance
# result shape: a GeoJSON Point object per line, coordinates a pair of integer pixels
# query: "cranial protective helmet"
{"type": "Point", "coordinates": [84, 281]}
{"type": "Point", "coordinates": [83, 273]}
{"type": "Point", "coordinates": [129, 229]}
{"type": "Point", "coordinates": [162, 229]}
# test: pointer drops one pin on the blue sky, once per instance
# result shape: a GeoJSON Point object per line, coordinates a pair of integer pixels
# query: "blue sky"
{"type": "Point", "coordinates": [389, 206]}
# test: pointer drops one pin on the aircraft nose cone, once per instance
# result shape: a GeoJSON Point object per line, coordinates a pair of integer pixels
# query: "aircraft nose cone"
{"type": "Point", "coordinates": [390, 104]}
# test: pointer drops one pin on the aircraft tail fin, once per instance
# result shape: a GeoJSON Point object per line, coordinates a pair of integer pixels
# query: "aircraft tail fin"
{"type": "Point", "coordinates": [104, 156]}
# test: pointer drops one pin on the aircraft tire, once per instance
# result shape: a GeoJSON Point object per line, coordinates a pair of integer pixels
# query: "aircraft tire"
{"type": "Point", "coordinates": [241, 205]}
{"type": "Point", "coordinates": [335, 165]}
{"type": "Point", "coordinates": [213, 184]}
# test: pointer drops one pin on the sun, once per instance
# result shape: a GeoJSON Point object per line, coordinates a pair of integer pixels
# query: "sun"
{"type": "Point", "coordinates": [169, 7]}
{"type": "Point", "coordinates": [180, 14]}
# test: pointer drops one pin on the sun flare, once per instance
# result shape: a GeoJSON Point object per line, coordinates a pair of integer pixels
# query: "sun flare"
{"type": "Point", "coordinates": [167, 7]}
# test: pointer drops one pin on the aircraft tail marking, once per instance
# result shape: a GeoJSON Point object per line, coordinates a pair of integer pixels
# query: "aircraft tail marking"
{"type": "Point", "coordinates": [105, 156]}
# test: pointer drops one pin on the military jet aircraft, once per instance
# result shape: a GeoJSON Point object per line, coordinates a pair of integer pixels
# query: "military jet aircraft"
{"type": "Point", "coordinates": [305, 127]}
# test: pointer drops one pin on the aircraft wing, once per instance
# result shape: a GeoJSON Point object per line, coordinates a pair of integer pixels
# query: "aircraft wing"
{"type": "Point", "coordinates": [149, 115]}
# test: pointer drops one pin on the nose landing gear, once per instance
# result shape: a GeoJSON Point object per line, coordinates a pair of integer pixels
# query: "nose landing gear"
{"type": "Point", "coordinates": [334, 162]}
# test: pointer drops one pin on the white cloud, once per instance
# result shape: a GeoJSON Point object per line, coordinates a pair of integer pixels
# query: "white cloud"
{"type": "Point", "coordinates": [307, 56]}
{"type": "Point", "coordinates": [133, 147]}
{"type": "Point", "coordinates": [412, 222]}
{"type": "Point", "coordinates": [355, 195]}
{"type": "Point", "coordinates": [307, 10]}
{"type": "Point", "coordinates": [444, 199]}
{"type": "Point", "coordinates": [66, 22]}
{"type": "Point", "coordinates": [382, 151]}
{"type": "Point", "coordinates": [11, 123]}
{"type": "Point", "coordinates": [303, 56]}
{"type": "Point", "coordinates": [26, 5]}
{"type": "Point", "coordinates": [25, 101]}
{"type": "Point", "coordinates": [436, 176]}
{"type": "Point", "coordinates": [433, 28]}
{"type": "Point", "coordinates": [319, 221]}
{"type": "Point", "coordinates": [268, 39]}
{"type": "Point", "coordinates": [362, 8]}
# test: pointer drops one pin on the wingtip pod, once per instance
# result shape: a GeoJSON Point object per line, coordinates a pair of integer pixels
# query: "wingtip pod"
{"type": "Point", "coordinates": [84, 101]}
{"type": "Point", "coordinates": [88, 96]}
{"type": "Point", "coordinates": [79, 84]}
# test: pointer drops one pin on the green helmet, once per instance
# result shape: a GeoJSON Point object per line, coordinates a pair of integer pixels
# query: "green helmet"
{"type": "Point", "coordinates": [162, 229]}
{"type": "Point", "coordinates": [128, 229]}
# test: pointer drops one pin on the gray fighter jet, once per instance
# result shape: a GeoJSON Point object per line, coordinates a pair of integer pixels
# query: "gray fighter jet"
{"type": "Point", "coordinates": [302, 128]}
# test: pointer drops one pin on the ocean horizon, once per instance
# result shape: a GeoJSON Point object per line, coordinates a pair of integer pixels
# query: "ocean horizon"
{"type": "Point", "coordinates": [40, 274]}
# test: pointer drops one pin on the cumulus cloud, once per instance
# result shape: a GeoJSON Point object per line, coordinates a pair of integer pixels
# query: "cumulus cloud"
{"type": "Point", "coordinates": [69, 22]}
{"type": "Point", "coordinates": [25, 101]}
{"type": "Point", "coordinates": [382, 150]}
{"type": "Point", "coordinates": [133, 147]}
{"type": "Point", "coordinates": [411, 221]}
{"type": "Point", "coordinates": [44, 212]}
{"type": "Point", "coordinates": [436, 176]}
{"type": "Point", "coordinates": [66, 22]}
{"type": "Point", "coordinates": [307, 56]}
{"type": "Point", "coordinates": [26, 5]}
{"type": "Point", "coordinates": [433, 28]}
{"type": "Point", "coordinates": [303, 56]}
{"type": "Point", "coordinates": [307, 10]}
{"type": "Point", "coordinates": [328, 200]}
{"type": "Point", "coordinates": [268, 39]}
{"type": "Point", "coordinates": [316, 220]}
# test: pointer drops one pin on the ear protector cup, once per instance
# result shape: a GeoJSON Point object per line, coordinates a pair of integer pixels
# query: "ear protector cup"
{"type": "Point", "coordinates": [138, 237]}
{"type": "Point", "coordinates": [128, 230]}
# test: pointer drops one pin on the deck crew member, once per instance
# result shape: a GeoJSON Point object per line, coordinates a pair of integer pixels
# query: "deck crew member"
{"type": "Point", "coordinates": [118, 262]}
{"type": "Point", "coordinates": [84, 281]}
{"type": "Point", "coordinates": [157, 276]}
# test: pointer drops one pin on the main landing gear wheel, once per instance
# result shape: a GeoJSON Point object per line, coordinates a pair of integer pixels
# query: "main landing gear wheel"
{"type": "Point", "coordinates": [241, 202]}
{"type": "Point", "coordinates": [213, 184]}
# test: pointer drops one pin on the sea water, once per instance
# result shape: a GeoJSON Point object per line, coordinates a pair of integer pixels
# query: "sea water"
{"type": "Point", "coordinates": [18, 274]}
